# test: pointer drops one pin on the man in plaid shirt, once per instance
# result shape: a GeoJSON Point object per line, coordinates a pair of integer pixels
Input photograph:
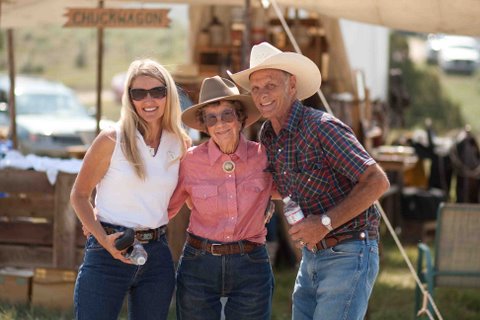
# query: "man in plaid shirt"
{"type": "Point", "coordinates": [317, 161]}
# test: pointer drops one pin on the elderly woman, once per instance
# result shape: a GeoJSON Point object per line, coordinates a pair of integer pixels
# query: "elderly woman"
{"type": "Point", "coordinates": [134, 168]}
{"type": "Point", "coordinates": [228, 190]}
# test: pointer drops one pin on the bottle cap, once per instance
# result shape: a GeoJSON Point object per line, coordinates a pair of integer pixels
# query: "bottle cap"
{"type": "Point", "coordinates": [286, 199]}
{"type": "Point", "coordinates": [141, 261]}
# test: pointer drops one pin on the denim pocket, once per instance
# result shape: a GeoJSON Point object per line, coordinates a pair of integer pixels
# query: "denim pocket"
{"type": "Point", "coordinates": [349, 248]}
{"type": "Point", "coordinates": [163, 239]}
{"type": "Point", "coordinates": [92, 244]}
{"type": "Point", "coordinates": [190, 253]}
{"type": "Point", "coordinates": [258, 255]}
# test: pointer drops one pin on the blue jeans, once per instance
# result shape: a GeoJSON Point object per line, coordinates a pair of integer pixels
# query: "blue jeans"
{"type": "Point", "coordinates": [245, 279]}
{"type": "Point", "coordinates": [336, 283]}
{"type": "Point", "coordinates": [103, 282]}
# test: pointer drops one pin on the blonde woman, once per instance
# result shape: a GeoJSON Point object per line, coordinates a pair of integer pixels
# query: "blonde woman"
{"type": "Point", "coordinates": [134, 168]}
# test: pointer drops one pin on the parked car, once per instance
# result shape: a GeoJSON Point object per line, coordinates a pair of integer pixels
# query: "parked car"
{"type": "Point", "coordinates": [49, 116]}
{"type": "Point", "coordinates": [459, 54]}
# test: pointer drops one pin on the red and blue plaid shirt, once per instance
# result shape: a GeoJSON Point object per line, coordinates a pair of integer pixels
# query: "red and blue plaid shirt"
{"type": "Point", "coordinates": [317, 160]}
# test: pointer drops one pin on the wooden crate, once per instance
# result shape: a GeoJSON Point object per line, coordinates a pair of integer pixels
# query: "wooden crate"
{"type": "Point", "coordinates": [15, 285]}
{"type": "Point", "coordinates": [53, 288]}
{"type": "Point", "coordinates": [38, 227]}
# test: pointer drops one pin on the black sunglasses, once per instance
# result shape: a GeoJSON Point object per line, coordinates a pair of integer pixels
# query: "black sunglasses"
{"type": "Point", "coordinates": [210, 119]}
{"type": "Point", "coordinates": [155, 93]}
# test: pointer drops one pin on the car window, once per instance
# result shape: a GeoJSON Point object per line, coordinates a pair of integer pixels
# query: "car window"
{"type": "Point", "coordinates": [49, 104]}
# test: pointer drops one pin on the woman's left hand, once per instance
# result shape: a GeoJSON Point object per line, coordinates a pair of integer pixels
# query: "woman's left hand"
{"type": "Point", "coordinates": [269, 211]}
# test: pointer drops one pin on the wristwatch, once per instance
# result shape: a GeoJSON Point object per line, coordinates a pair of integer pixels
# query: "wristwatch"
{"type": "Point", "coordinates": [327, 222]}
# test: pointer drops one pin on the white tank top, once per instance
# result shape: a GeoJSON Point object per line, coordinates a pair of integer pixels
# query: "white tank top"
{"type": "Point", "coordinates": [124, 199]}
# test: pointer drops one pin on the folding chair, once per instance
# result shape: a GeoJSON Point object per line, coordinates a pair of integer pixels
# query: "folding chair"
{"type": "Point", "coordinates": [457, 254]}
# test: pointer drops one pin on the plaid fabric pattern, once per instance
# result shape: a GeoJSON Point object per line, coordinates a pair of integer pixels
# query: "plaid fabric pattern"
{"type": "Point", "coordinates": [316, 160]}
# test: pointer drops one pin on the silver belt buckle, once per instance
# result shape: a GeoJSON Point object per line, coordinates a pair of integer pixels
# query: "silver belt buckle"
{"type": "Point", "coordinates": [213, 251]}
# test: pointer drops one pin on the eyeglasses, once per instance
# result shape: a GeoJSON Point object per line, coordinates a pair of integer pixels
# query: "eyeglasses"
{"type": "Point", "coordinates": [155, 93]}
{"type": "Point", "coordinates": [211, 119]}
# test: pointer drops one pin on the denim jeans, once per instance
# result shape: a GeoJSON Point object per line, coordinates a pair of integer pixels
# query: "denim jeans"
{"type": "Point", "coordinates": [103, 282]}
{"type": "Point", "coordinates": [245, 279]}
{"type": "Point", "coordinates": [336, 283]}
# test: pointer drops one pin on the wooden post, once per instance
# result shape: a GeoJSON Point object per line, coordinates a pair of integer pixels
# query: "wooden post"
{"type": "Point", "coordinates": [64, 224]}
{"type": "Point", "coordinates": [11, 97]}
{"type": "Point", "coordinates": [99, 71]}
{"type": "Point", "coordinates": [246, 35]}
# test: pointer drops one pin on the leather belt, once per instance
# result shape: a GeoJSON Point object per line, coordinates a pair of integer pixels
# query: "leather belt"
{"type": "Point", "coordinates": [142, 235]}
{"type": "Point", "coordinates": [332, 241]}
{"type": "Point", "coordinates": [220, 249]}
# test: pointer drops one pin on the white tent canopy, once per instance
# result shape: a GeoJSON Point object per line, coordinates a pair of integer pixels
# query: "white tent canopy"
{"type": "Point", "coordinates": [436, 16]}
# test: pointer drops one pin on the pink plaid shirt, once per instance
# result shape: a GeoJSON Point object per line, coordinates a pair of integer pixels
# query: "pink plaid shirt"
{"type": "Point", "coordinates": [226, 206]}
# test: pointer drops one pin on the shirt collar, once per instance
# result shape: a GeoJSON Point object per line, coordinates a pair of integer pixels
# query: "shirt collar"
{"type": "Point", "coordinates": [294, 117]}
{"type": "Point", "coordinates": [214, 152]}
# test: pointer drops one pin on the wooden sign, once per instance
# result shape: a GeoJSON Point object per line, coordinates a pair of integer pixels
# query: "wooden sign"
{"type": "Point", "coordinates": [117, 18]}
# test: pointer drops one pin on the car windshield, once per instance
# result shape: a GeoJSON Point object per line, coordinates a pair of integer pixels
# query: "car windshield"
{"type": "Point", "coordinates": [49, 104]}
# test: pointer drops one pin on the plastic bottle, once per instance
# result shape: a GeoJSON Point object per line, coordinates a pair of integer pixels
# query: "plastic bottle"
{"type": "Point", "coordinates": [292, 211]}
{"type": "Point", "coordinates": [138, 255]}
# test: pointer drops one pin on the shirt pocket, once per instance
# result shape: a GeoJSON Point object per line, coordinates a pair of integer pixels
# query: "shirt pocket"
{"type": "Point", "coordinates": [312, 182]}
{"type": "Point", "coordinates": [205, 198]}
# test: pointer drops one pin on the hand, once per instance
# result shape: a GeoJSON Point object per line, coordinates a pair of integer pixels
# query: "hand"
{"type": "Point", "coordinates": [85, 231]}
{"type": "Point", "coordinates": [309, 231]}
{"type": "Point", "coordinates": [109, 245]}
{"type": "Point", "coordinates": [270, 211]}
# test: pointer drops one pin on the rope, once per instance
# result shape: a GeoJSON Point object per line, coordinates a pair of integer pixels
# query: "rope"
{"type": "Point", "coordinates": [426, 296]}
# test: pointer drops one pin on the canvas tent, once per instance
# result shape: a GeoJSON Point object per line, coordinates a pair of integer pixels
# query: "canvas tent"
{"type": "Point", "coordinates": [435, 16]}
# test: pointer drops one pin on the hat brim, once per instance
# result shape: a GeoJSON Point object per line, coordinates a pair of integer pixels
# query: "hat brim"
{"type": "Point", "coordinates": [189, 117]}
{"type": "Point", "coordinates": [305, 70]}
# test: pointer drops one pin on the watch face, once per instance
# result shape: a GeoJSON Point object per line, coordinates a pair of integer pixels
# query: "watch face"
{"type": "Point", "coordinates": [326, 220]}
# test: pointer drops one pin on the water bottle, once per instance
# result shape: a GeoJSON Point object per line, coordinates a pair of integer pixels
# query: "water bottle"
{"type": "Point", "coordinates": [292, 211]}
{"type": "Point", "coordinates": [137, 254]}
{"type": "Point", "coordinates": [294, 214]}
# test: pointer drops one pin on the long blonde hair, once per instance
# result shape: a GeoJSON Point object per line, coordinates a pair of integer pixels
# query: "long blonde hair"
{"type": "Point", "coordinates": [130, 121]}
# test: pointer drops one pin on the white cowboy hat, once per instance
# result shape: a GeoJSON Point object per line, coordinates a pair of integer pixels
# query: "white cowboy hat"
{"type": "Point", "coordinates": [215, 89]}
{"type": "Point", "coordinates": [266, 56]}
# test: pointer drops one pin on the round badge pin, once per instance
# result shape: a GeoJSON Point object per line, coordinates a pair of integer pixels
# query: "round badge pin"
{"type": "Point", "coordinates": [228, 166]}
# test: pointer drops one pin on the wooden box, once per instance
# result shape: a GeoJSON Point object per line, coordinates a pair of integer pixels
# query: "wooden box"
{"type": "Point", "coordinates": [15, 285]}
{"type": "Point", "coordinates": [53, 288]}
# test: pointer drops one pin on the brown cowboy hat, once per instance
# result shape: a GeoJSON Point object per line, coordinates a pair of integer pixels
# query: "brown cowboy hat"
{"type": "Point", "coordinates": [266, 56]}
{"type": "Point", "coordinates": [215, 89]}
